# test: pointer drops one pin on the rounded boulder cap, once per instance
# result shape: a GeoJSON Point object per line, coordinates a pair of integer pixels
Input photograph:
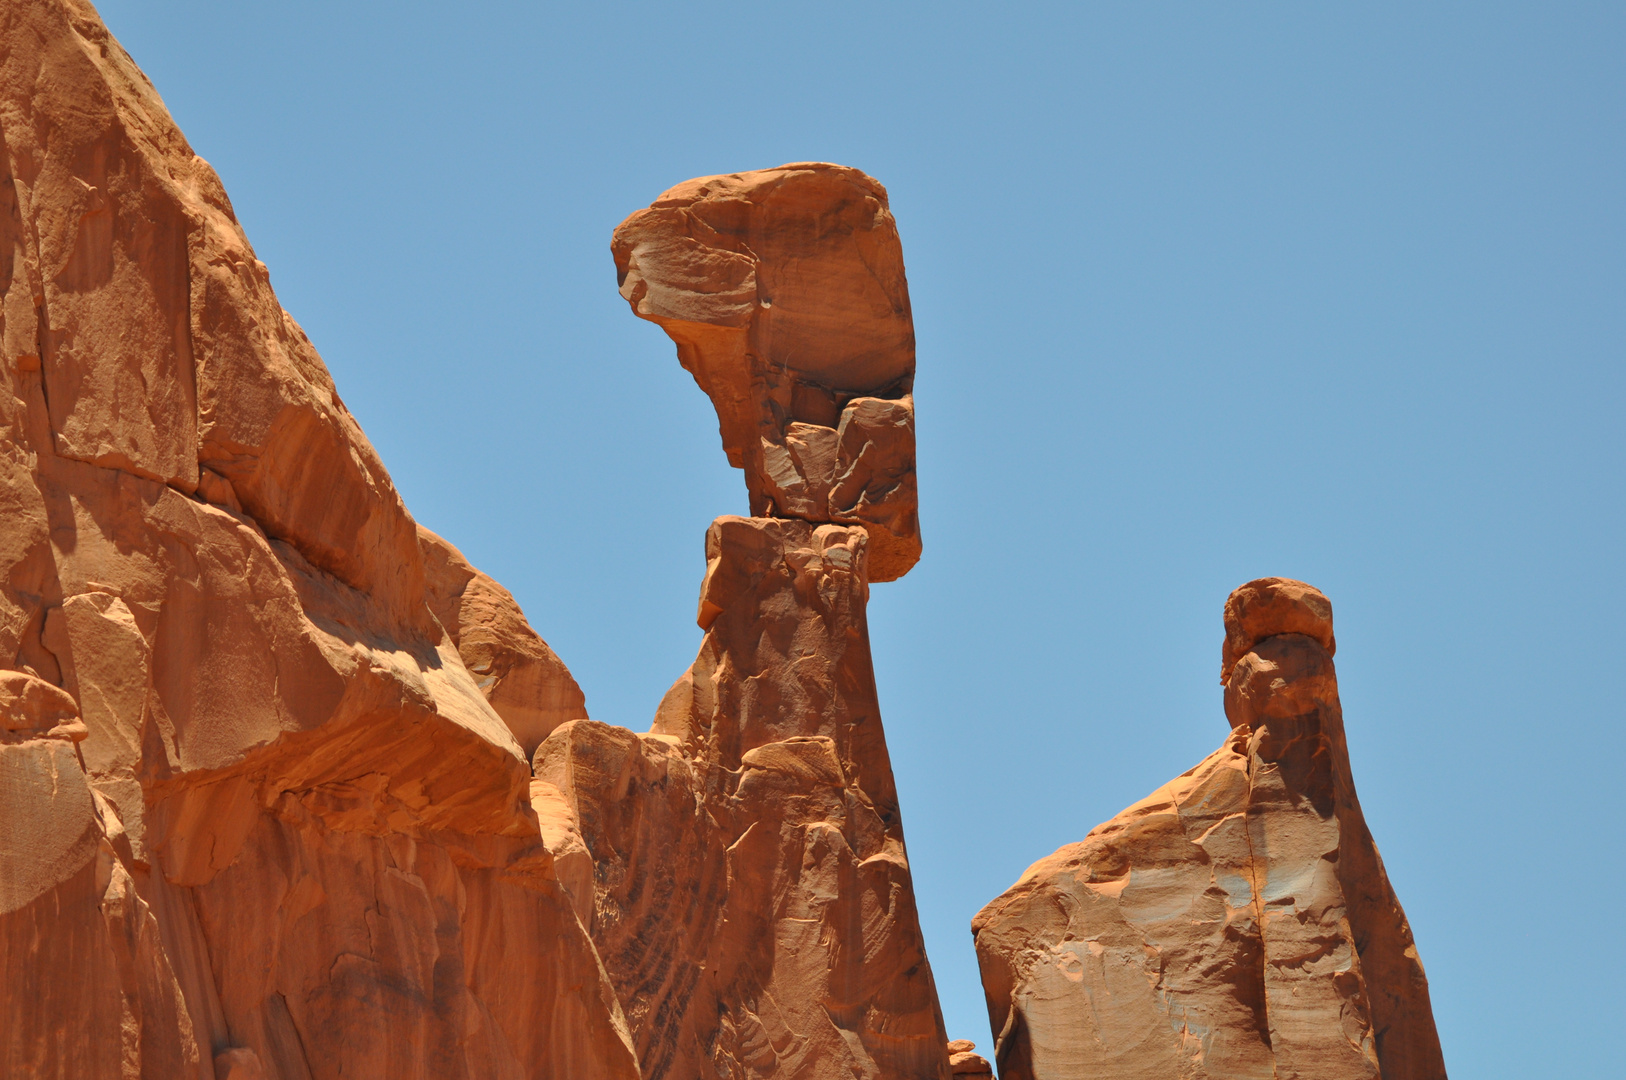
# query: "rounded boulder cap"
{"type": "Point", "coordinates": [1269, 606]}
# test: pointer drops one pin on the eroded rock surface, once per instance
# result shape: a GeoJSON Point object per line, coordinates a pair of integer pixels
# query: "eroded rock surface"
{"type": "Point", "coordinates": [741, 867]}
{"type": "Point", "coordinates": [258, 818]}
{"type": "Point", "coordinates": [965, 1062]}
{"type": "Point", "coordinates": [267, 803]}
{"type": "Point", "coordinates": [523, 680]}
{"type": "Point", "coordinates": [750, 892]}
{"type": "Point", "coordinates": [1235, 923]}
{"type": "Point", "coordinates": [785, 293]}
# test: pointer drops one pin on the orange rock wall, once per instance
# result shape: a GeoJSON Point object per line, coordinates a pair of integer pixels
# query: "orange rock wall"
{"type": "Point", "coordinates": [291, 791]}
{"type": "Point", "coordinates": [258, 817]}
{"type": "Point", "coordinates": [267, 809]}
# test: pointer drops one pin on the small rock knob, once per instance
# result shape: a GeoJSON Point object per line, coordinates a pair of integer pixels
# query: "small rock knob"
{"type": "Point", "coordinates": [1266, 607]}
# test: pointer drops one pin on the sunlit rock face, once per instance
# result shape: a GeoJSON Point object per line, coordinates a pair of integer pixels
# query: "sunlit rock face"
{"type": "Point", "coordinates": [267, 808]}
{"type": "Point", "coordinates": [750, 893]}
{"type": "Point", "coordinates": [258, 818]}
{"type": "Point", "coordinates": [1235, 923]}
{"type": "Point", "coordinates": [741, 867]}
{"type": "Point", "coordinates": [785, 293]}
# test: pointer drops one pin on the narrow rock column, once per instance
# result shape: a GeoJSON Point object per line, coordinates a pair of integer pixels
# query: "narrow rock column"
{"type": "Point", "coordinates": [751, 896]}
{"type": "Point", "coordinates": [751, 893]}
{"type": "Point", "coordinates": [1235, 923]}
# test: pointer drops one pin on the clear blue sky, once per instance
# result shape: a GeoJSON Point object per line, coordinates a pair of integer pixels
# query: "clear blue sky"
{"type": "Point", "coordinates": [1203, 293]}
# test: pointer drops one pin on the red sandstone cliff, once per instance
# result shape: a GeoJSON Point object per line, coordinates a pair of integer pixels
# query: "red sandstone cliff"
{"type": "Point", "coordinates": [266, 799]}
{"type": "Point", "coordinates": [1235, 923]}
{"type": "Point", "coordinates": [258, 799]}
{"type": "Point", "coordinates": [289, 790]}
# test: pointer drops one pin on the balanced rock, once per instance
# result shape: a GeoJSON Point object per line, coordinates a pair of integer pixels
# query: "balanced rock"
{"type": "Point", "coordinates": [785, 293]}
{"type": "Point", "coordinates": [741, 867]}
{"type": "Point", "coordinates": [1235, 923]}
{"type": "Point", "coordinates": [258, 817]}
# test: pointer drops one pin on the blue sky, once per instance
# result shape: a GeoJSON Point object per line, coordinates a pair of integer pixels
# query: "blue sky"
{"type": "Point", "coordinates": [1202, 293]}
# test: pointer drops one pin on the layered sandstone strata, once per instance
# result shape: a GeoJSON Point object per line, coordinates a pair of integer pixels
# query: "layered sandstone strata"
{"type": "Point", "coordinates": [741, 867]}
{"type": "Point", "coordinates": [266, 802]}
{"type": "Point", "coordinates": [258, 816]}
{"type": "Point", "coordinates": [1235, 923]}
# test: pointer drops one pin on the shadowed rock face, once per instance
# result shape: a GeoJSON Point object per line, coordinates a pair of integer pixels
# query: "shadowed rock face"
{"type": "Point", "coordinates": [1235, 923]}
{"type": "Point", "coordinates": [785, 293]}
{"type": "Point", "coordinates": [258, 817]}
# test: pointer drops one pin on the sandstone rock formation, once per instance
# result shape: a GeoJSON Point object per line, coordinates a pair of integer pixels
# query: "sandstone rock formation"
{"type": "Point", "coordinates": [741, 868]}
{"type": "Point", "coordinates": [751, 896]}
{"type": "Point", "coordinates": [965, 1062]}
{"type": "Point", "coordinates": [290, 791]}
{"type": "Point", "coordinates": [267, 809]}
{"type": "Point", "coordinates": [523, 680]}
{"type": "Point", "coordinates": [785, 293]}
{"type": "Point", "coordinates": [1235, 923]}
{"type": "Point", "coordinates": [257, 817]}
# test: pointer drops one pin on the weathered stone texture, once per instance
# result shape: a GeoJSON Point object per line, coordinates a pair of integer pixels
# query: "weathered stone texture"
{"type": "Point", "coordinates": [1235, 923]}
{"type": "Point", "coordinates": [750, 892]}
{"type": "Point", "coordinates": [258, 818]}
{"type": "Point", "coordinates": [522, 679]}
{"type": "Point", "coordinates": [785, 293]}
{"type": "Point", "coordinates": [267, 809]}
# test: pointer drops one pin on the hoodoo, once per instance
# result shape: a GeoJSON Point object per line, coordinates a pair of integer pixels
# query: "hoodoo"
{"type": "Point", "coordinates": [750, 893]}
{"type": "Point", "coordinates": [1235, 923]}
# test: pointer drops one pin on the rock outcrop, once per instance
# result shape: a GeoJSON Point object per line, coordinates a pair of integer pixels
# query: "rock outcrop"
{"type": "Point", "coordinates": [742, 867]}
{"type": "Point", "coordinates": [522, 679]}
{"type": "Point", "coordinates": [785, 293]}
{"type": "Point", "coordinates": [291, 791]}
{"type": "Point", "coordinates": [258, 817]}
{"type": "Point", "coordinates": [965, 1062]}
{"type": "Point", "coordinates": [267, 805]}
{"type": "Point", "coordinates": [1235, 923]}
{"type": "Point", "coordinates": [751, 896]}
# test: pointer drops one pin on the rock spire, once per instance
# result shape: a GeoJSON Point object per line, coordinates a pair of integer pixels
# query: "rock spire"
{"type": "Point", "coordinates": [1235, 923]}
{"type": "Point", "coordinates": [744, 870]}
